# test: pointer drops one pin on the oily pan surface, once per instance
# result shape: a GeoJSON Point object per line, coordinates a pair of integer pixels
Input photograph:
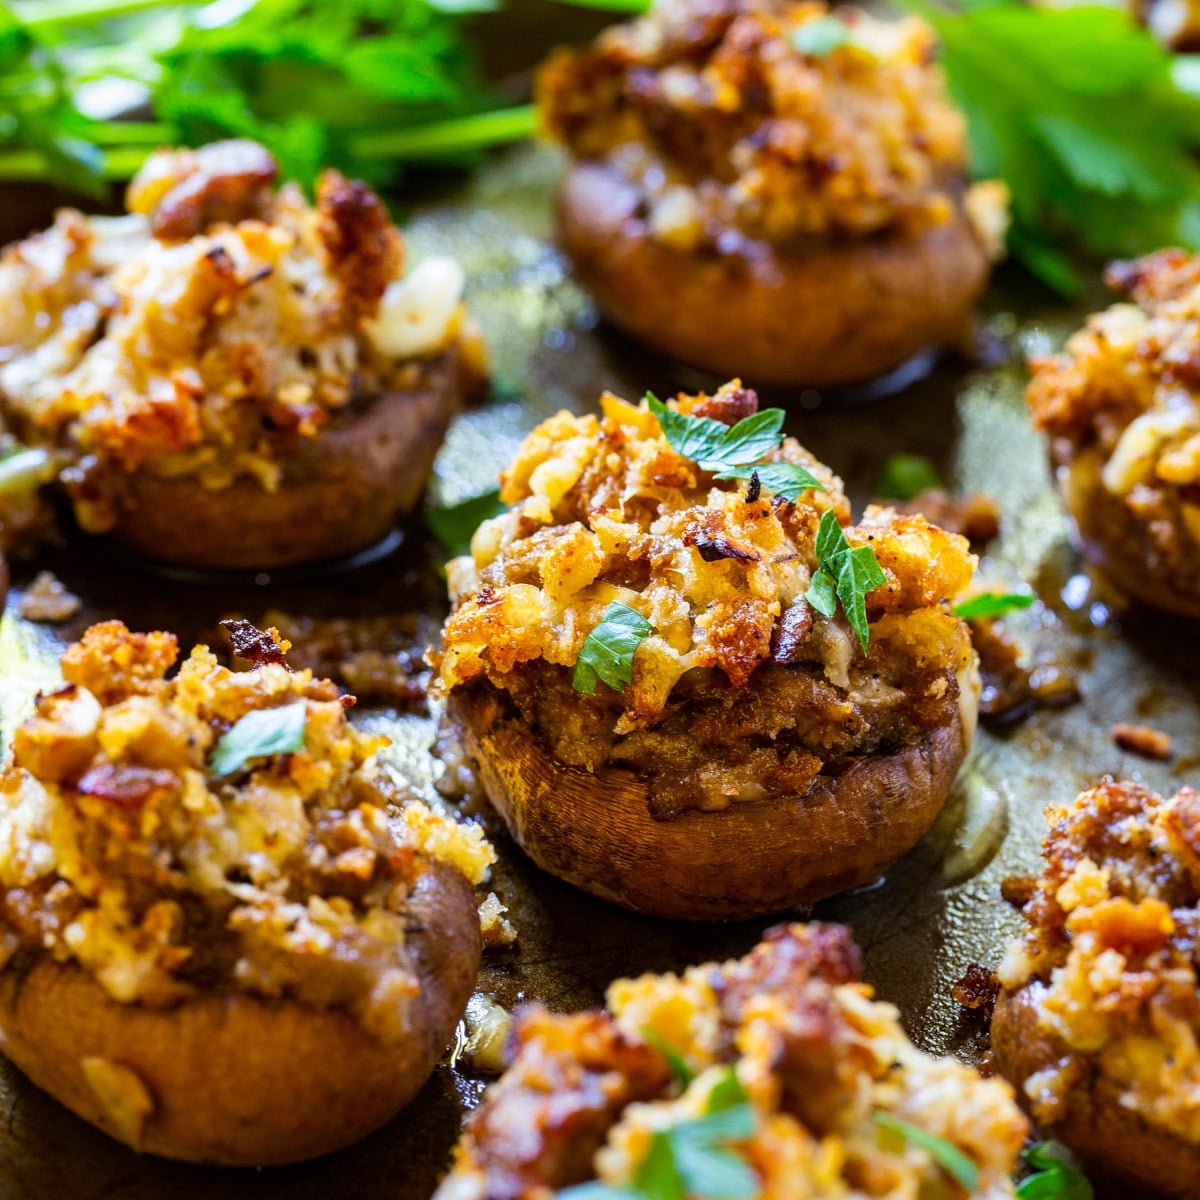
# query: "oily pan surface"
{"type": "Point", "coordinates": [937, 910]}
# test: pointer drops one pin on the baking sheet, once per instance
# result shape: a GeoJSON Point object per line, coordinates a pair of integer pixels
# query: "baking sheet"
{"type": "Point", "coordinates": [920, 926]}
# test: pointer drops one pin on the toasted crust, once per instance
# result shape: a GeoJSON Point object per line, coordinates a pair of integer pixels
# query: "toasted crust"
{"type": "Point", "coordinates": [596, 831]}
{"type": "Point", "coordinates": [1122, 1154]}
{"type": "Point", "coordinates": [838, 313]}
{"type": "Point", "coordinates": [341, 491]}
{"type": "Point", "coordinates": [235, 1079]}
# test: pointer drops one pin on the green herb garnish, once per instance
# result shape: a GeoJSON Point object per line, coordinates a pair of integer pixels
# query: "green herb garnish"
{"type": "Point", "coordinates": [261, 733]}
{"type": "Point", "coordinates": [843, 573]}
{"type": "Point", "coordinates": [454, 524]}
{"type": "Point", "coordinates": [692, 1158]}
{"type": "Point", "coordinates": [992, 604]}
{"type": "Point", "coordinates": [957, 1164]}
{"type": "Point", "coordinates": [735, 452]}
{"type": "Point", "coordinates": [907, 475]}
{"type": "Point", "coordinates": [23, 471]}
{"type": "Point", "coordinates": [820, 37]}
{"type": "Point", "coordinates": [362, 85]}
{"type": "Point", "coordinates": [682, 1073]}
{"type": "Point", "coordinates": [1086, 118]}
{"type": "Point", "coordinates": [607, 652]}
{"type": "Point", "coordinates": [1055, 1176]}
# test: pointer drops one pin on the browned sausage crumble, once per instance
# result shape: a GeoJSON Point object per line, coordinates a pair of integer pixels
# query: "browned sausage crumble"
{"type": "Point", "coordinates": [741, 690]}
{"type": "Point", "coordinates": [816, 1058]}
{"type": "Point", "coordinates": [127, 849]}
{"type": "Point", "coordinates": [1141, 739]}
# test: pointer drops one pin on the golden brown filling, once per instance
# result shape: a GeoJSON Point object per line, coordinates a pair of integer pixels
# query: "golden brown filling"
{"type": "Point", "coordinates": [779, 120]}
{"type": "Point", "coordinates": [215, 327]}
{"type": "Point", "coordinates": [1114, 934]}
{"type": "Point", "coordinates": [1122, 405]}
{"type": "Point", "coordinates": [742, 688]}
{"type": "Point", "coordinates": [786, 1045]}
{"type": "Point", "coordinates": [214, 829]}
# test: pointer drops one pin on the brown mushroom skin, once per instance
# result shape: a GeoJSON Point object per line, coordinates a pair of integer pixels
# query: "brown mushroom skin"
{"type": "Point", "coordinates": [1114, 539]}
{"type": "Point", "coordinates": [239, 1080]}
{"type": "Point", "coordinates": [751, 859]}
{"type": "Point", "coordinates": [4, 582]}
{"type": "Point", "coordinates": [838, 313]}
{"type": "Point", "coordinates": [341, 490]}
{"type": "Point", "coordinates": [1121, 1154]}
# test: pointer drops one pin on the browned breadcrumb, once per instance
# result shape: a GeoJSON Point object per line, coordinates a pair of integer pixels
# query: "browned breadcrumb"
{"type": "Point", "coordinates": [1113, 934]}
{"type": "Point", "coordinates": [1017, 890]}
{"type": "Point", "coordinates": [977, 990]}
{"type": "Point", "coordinates": [816, 1057]}
{"type": "Point", "coordinates": [47, 599]}
{"type": "Point", "coordinates": [1141, 739]}
{"type": "Point", "coordinates": [712, 110]}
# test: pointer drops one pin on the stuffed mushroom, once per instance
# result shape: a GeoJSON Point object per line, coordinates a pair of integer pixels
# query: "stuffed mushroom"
{"type": "Point", "coordinates": [240, 379]}
{"type": "Point", "coordinates": [771, 188]}
{"type": "Point", "coordinates": [774, 1075]}
{"type": "Point", "coordinates": [219, 940]}
{"type": "Point", "coordinates": [691, 685]}
{"type": "Point", "coordinates": [1121, 406]}
{"type": "Point", "coordinates": [1098, 1018]}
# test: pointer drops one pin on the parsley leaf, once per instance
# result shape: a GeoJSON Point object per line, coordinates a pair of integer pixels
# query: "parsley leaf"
{"type": "Point", "coordinates": [454, 524]}
{"type": "Point", "coordinates": [846, 572]}
{"type": "Point", "coordinates": [1055, 1176]}
{"type": "Point", "coordinates": [735, 452]}
{"type": "Point", "coordinates": [692, 1158]}
{"type": "Point", "coordinates": [820, 37]}
{"type": "Point", "coordinates": [1081, 112]}
{"type": "Point", "coordinates": [607, 652]}
{"type": "Point", "coordinates": [957, 1164]}
{"type": "Point", "coordinates": [907, 475]}
{"type": "Point", "coordinates": [261, 733]}
{"type": "Point", "coordinates": [682, 1073]}
{"type": "Point", "coordinates": [992, 604]}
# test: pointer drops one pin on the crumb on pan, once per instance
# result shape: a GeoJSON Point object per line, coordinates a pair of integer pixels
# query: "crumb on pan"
{"type": "Point", "coordinates": [604, 509]}
{"type": "Point", "coordinates": [724, 121]}
{"type": "Point", "coordinates": [1141, 739]}
{"type": "Point", "coordinates": [977, 989]}
{"type": "Point", "coordinates": [789, 1029]}
{"type": "Point", "coordinates": [1113, 931]}
{"type": "Point", "coordinates": [127, 849]}
{"type": "Point", "coordinates": [47, 599]}
{"type": "Point", "coordinates": [217, 324]}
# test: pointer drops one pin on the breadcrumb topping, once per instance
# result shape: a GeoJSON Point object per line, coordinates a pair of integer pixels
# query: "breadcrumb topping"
{"type": "Point", "coordinates": [125, 848]}
{"type": "Point", "coordinates": [815, 1055]}
{"type": "Point", "coordinates": [216, 325]}
{"type": "Point", "coordinates": [732, 116]}
{"type": "Point", "coordinates": [1114, 934]}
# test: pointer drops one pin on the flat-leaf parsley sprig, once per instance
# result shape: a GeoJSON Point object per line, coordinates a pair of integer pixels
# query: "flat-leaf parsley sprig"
{"type": "Point", "coordinates": [1055, 1176]}
{"type": "Point", "coordinates": [692, 1158]}
{"type": "Point", "coordinates": [607, 652]}
{"type": "Point", "coordinates": [846, 573]}
{"type": "Point", "coordinates": [992, 604]}
{"type": "Point", "coordinates": [737, 451]}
